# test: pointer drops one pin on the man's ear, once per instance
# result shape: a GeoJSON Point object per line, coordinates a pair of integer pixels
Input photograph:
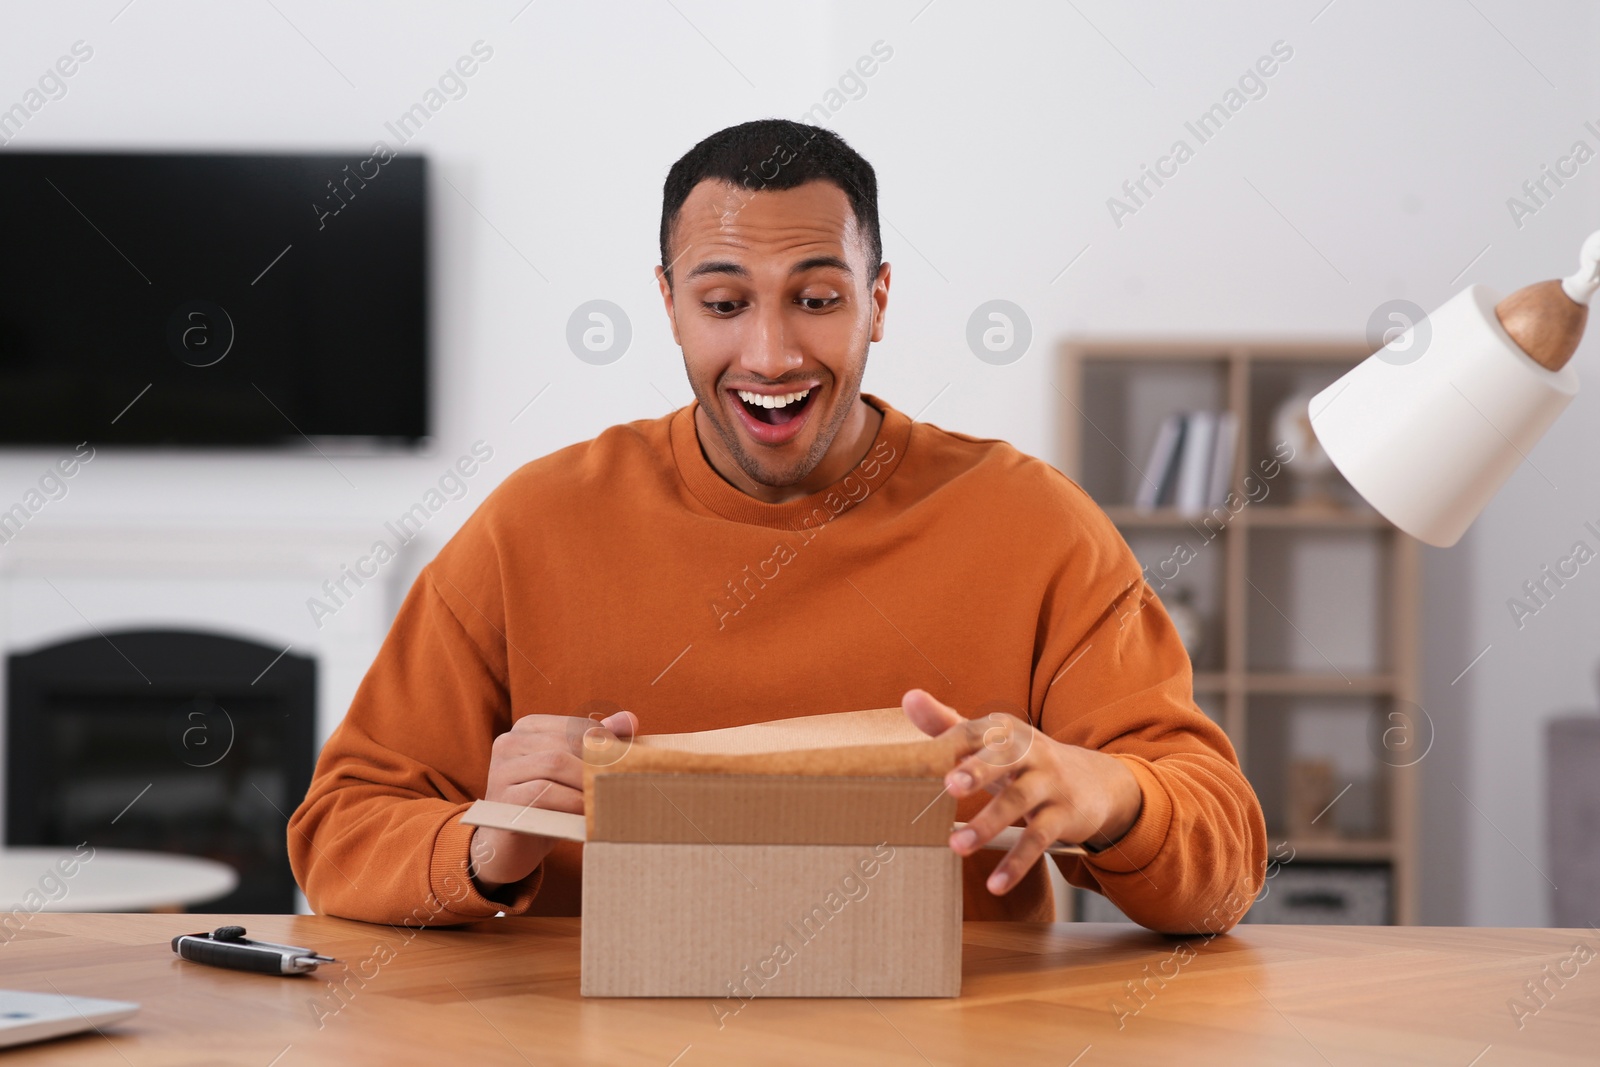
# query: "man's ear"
{"type": "Point", "coordinates": [666, 299]}
{"type": "Point", "coordinates": [880, 301]}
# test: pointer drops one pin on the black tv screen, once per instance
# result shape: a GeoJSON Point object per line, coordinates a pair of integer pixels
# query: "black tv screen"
{"type": "Point", "coordinates": [213, 300]}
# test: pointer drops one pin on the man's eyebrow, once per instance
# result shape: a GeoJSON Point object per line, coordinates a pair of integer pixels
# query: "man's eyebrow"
{"type": "Point", "coordinates": [820, 261]}
{"type": "Point", "coordinates": [724, 266]}
{"type": "Point", "coordinates": [719, 266]}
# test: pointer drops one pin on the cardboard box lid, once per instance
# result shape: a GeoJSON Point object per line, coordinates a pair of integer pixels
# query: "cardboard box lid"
{"type": "Point", "coordinates": [569, 827]}
{"type": "Point", "coordinates": [880, 743]}
{"type": "Point", "coordinates": [843, 729]}
{"type": "Point", "coordinates": [858, 777]}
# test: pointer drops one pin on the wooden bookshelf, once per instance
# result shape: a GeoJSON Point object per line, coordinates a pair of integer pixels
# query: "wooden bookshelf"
{"type": "Point", "coordinates": [1255, 675]}
{"type": "Point", "coordinates": [1266, 515]}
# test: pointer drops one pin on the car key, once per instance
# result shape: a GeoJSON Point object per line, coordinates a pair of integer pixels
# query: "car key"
{"type": "Point", "coordinates": [226, 946]}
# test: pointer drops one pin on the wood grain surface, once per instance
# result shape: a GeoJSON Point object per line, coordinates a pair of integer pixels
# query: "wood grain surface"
{"type": "Point", "coordinates": [506, 992]}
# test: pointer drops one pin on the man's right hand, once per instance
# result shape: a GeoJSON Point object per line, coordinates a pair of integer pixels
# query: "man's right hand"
{"type": "Point", "coordinates": [538, 763]}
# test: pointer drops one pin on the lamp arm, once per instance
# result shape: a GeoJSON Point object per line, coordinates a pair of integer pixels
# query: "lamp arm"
{"type": "Point", "coordinates": [1581, 284]}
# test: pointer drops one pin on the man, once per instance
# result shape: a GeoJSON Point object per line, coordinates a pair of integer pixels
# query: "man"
{"type": "Point", "coordinates": [783, 546]}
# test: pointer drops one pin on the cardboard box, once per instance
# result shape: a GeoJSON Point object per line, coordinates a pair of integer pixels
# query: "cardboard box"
{"type": "Point", "coordinates": [805, 857]}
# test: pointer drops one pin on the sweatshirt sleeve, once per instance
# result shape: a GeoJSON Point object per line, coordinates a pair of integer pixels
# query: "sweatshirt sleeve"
{"type": "Point", "coordinates": [1116, 678]}
{"type": "Point", "coordinates": [378, 836]}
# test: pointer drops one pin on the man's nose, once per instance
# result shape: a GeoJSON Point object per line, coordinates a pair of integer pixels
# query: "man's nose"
{"type": "Point", "coordinates": [768, 351]}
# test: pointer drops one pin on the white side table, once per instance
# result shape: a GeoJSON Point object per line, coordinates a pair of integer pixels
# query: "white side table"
{"type": "Point", "coordinates": [113, 879]}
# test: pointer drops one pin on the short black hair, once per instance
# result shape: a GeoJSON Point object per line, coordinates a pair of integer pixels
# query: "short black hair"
{"type": "Point", "coordinates": [794, 153]}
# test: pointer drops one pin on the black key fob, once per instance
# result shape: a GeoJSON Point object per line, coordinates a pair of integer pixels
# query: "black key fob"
{"type": "Point", "coordinates": [226, 946]}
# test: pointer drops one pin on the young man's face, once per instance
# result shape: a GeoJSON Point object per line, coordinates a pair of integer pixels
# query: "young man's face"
{"type": "Point", "coordinates": [774, 310]}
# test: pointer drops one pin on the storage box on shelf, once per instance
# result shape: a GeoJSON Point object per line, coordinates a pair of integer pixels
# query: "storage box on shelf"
{"type": "Point", "coordinates": [1302, 600]}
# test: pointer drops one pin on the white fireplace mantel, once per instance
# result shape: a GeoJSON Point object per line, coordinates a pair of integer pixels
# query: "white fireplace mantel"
{"type": "Point", "coordinates": [61, 583]}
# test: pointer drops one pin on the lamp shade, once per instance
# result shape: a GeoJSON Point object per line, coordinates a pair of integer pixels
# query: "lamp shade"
{"type": "Point", "coordinates": [1428, 428]}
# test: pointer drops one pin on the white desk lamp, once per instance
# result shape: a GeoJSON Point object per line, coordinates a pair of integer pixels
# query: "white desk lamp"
{"type": "Point", "coordinates": [1430, 426]}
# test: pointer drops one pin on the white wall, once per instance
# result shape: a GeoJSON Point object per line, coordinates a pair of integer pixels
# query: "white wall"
{"type": "Point", "coordinates": [1376, 166]}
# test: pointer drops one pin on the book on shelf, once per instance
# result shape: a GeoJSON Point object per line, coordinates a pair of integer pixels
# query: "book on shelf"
{"type": "Point", "coordinates": [1194, 463]}
{"type": "Point", "coordinates": [1222, 454]}
{"type": "Point", "coordinates": [1191, 462]}
{"type": "Point", "coordinates": [1161, 472]}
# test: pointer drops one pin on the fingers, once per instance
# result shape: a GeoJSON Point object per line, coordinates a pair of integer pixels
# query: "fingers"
{"type": "Point", "coordinates": [1031, 778]}
{"type": "Point", "coordinates": [621, 723]}
{"type": "Point", "coordinates": [539, 765]}
{"type": "Point", "coordinates": [570, 731]}
{"type": "Point", "coordinates": [542, 724]}
{"type": "Point", "coordinates": [552, 796]}
{"type": "Point", "coordinates": [928, 714]}
{"type": "Point", "coordinates": [1032, 790]}
{"type": "Point", "coordinates": [1003, 747]}
{"type": "Point", "coordinates": [1020, 798]}
{"type": "Point", "coordinates": [607, 740]}
{"type": "Point", "coordinates": [535, 732]}
{"type": "Point", "coordinates": [1038, 835]}
{"type": "Point", "coordinates": [535, 757]}
{"type": "Point", "coordinates": [1030, 796]}
{"type": "Point", "coordinates": [1000, 742]}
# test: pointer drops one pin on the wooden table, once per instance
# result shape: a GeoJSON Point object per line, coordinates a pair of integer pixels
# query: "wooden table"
{"type": "Point", "coordinates": [506, 992]}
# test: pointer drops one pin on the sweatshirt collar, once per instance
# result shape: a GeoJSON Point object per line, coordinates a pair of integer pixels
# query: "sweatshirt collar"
{"type": "Point", "coordinates": [709, 488]}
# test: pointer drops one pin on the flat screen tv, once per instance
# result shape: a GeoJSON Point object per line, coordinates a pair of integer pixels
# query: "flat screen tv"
{"type": "Point", "coordinates": [257, 301]}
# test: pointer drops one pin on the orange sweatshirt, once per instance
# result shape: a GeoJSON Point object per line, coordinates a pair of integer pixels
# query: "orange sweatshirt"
{"type": "Point", "coordinates": [623, 572]}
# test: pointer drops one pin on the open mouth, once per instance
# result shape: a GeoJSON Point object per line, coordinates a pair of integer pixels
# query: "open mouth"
{"type": "Point", "coordinates": [774, 409]}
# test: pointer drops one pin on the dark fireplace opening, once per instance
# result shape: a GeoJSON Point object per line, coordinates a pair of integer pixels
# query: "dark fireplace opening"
{"type": "Point", "coordinates": [167, 740]}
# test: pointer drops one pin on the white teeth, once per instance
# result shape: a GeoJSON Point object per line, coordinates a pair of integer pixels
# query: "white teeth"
{"type": "Point", "coordinates": [761, 400]}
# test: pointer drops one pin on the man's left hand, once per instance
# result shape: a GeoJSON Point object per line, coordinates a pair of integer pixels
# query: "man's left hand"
{"type": "Point", "coordinates": [1063, 792]}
